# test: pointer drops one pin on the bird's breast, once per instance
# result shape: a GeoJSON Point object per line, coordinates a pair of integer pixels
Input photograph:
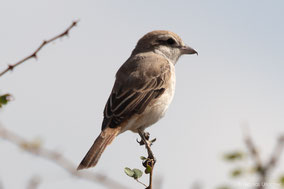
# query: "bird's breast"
{"type": "Point", "coordinates": [156, 110]}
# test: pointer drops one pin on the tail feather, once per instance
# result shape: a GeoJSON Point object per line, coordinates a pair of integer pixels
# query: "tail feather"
{"type": "Point", "coordinates": [100, 144]}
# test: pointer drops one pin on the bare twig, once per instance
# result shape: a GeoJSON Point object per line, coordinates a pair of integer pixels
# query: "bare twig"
{"type": "Point", "coordinates": [263, 169]}
{"type": "Point", "coordinates": [276, 154]}
{"type": "Point", "coordinates": [151, 159]}
{"type": "Point", "coordinates": [252, 148]}
{"type": "Point", "coordinates": [34, 54]}
{"type": "Point", "coordinates": [58, 159]}
{"type": "Point", "coordinates": [141, 182]}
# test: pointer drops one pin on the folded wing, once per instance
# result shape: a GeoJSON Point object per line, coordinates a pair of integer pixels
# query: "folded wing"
{"type": "Point", "coordinates": [139, 81]}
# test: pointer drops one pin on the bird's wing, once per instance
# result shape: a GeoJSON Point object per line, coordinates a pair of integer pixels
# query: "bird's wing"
{"type": "Point", "coordinates": [139, 81]}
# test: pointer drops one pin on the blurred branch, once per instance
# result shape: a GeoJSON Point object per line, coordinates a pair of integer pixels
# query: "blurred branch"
{"type": "Point", "coordinates": [58, 159]}
{"type": "Point", "coordinates": [33, 182]}
{"type": "Point", "coordinates": [34, 54]}
{"type": "Point", "coordinates": [276, 154]}
{"type": "Point", "coordinates": [252, 148]}
{"type": "Point", "coordinates": [196, 185]}
{"type": "Point", "coordinates": [1, 185]}
{"type": "Point", "coordinates": [158, 182]}
{"type": "Point", "coordinates": [263, 169]}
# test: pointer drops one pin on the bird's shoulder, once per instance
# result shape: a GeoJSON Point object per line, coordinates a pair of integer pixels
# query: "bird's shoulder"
{"type": "Point", "coordinates": [142, 68]}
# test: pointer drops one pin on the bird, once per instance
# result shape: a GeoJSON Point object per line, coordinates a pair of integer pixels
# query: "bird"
{"type": "Point", "coordinates": [142, 92]}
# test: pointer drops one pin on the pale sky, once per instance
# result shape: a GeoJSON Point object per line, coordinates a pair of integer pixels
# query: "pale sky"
{"type": "Point", "coordinates": [237, 77]}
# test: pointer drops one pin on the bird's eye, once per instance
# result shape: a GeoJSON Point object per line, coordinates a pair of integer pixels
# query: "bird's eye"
{"type": "Point", "coordinates": [171, 41]}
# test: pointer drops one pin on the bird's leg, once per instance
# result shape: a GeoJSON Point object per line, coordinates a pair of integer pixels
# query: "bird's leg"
{"type": "Point", "coordinates": [145, 136]}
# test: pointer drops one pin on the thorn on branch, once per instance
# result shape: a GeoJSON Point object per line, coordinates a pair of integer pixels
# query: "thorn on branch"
{"type": "Point", "coordinates": [10, 67]}
{"type": "Point", "coordinates": [75, 23]}
{"type": "Point", "coordinates": [34, 56]}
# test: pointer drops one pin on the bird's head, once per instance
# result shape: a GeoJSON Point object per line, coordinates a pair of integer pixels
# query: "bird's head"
{"type": "Point", "coordinates": [165, 43]}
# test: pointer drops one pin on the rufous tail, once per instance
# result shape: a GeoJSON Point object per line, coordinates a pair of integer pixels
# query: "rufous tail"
{"type": "Point", "coordinates": [100, 144]}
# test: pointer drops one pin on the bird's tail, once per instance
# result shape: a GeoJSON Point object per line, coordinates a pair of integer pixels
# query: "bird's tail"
{"type": "Point", "coordinates": [100, 144]}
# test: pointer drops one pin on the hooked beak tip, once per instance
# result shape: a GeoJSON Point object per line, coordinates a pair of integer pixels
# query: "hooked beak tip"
{"type": "Point", "coordinates": [188, 50]}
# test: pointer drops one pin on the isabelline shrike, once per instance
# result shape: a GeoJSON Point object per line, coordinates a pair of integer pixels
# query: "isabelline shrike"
{"type": "Point", "coordinates": [143, 89]}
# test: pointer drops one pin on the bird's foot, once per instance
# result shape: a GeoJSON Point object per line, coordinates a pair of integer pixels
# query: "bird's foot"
{"type": "Point", "coordinates": [147, 139]}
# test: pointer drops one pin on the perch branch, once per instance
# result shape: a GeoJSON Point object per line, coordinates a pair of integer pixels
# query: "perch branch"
{"type": "Point", "coordinates": [58, 159]}
{"type": "Point", "coordinates": [151, 159]}
{"type": "Point", "coordinates": [34, 54]}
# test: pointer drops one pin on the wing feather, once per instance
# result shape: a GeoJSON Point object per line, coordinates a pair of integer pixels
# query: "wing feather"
{"type": "Point", "coordinates": [139, 81]}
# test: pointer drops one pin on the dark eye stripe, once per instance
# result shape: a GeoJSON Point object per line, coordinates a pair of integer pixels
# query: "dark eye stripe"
{"type": "Point", "coordinates": [171, 41]}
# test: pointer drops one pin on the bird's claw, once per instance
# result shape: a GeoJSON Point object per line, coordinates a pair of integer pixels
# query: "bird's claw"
{"type": "Point", "coordinates": [141, 142]}
{"type": "Point", "coordinates": [152, 141]}
{"type": "Point", "coordinates": [147, 137]}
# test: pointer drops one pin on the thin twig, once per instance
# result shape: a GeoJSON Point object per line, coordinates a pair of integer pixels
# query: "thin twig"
{"type": "Point", "coordinates": [256, 158]}
{"type": "Point", "coordinates": [151, 174]}
{"type": "Point", "coordinates": [252, 147]}
{"type": "Point", "coordinates": [141, 182]}
{"type": "Point", "coordinates": [34, 54]}
{"type": "Point", "coordinates": [276, 154]}
{"type": "Point", "coordinates": [263, 169]}
{"type": "Point", "coordinates": [58, 159]}
{"type": "Point", "coordinates": [151, 159]}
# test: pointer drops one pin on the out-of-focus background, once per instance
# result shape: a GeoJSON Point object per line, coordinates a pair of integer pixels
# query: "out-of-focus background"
{"type": "Point", "coordinates": [237, 78]}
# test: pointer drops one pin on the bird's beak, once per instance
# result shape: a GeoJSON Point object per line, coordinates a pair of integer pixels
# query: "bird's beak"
{"type": "Point", "coordinates": [188, 50]}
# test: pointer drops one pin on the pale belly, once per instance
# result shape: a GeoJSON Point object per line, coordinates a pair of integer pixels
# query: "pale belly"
{"type": "Point", "coordinates": [153, 112]}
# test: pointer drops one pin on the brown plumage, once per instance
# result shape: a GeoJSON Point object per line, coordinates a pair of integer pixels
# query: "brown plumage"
{"type": "Point", "coordinates": [95, 152]}
{"type": "Point", "coordinates": [143, 89]}
{"type": "Point", "coordinates": [136, 86]}
{"type": "Point", "coordinates": [139, 80]}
